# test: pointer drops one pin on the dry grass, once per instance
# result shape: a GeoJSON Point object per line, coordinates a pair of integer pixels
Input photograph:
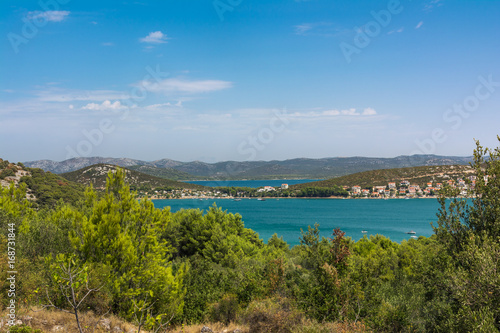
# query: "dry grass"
{"type": "Point", "coordinates": [307, 326]}
{"type": "Point", "coordinates": [51, 321]}
{"type": "Point", "coordinates": [215, 327]}
{"type": "Point", "coordinates": [56, 321]}
{"type": "Point", "coordinates": [343, 327]}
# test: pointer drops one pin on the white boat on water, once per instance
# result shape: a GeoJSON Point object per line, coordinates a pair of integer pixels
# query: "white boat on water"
{"type": "Point", "coordinates": [411, 232]}
{"type": "Point", "coordinates": [364, 231]}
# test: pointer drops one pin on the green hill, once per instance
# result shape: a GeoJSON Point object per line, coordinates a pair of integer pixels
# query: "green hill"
{"type": "Point", "coordinates": [97, 174]}
{"type": "Point", "coordinates": [416, 175]}
{"type": "Point", "coordinates": [49, 188]}
{"type": "Point", "coordinates": [45, 189]}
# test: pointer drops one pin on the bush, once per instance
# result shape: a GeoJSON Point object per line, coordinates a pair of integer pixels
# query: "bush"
{"type": "Point", "coordinates": [226, 310]}
{"type": "Point", "coordinates": [23, 329]}
{"type": "Point", "coordinates": [3, 164]}
{"type": "Point", "coordinates": [273, 315]}
{"type": "Point", "coordinates": [6, 173]}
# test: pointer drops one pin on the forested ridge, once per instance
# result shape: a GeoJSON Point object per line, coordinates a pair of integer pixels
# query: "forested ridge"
{"type": "Point", "coordinates": [417, 175]}
{"type": "Point", "coordinates": [113, 254]}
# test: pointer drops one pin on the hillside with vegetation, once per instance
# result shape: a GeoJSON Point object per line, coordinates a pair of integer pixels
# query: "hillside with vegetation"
{"type": "Point", "coordinates": [10, 172]}
{"type": "Point", "coordinates": [113, 257]}
{"type": "Point", "coordinates": [44, 189]}
{"type": "Point", "coordinates": [416, 175]}
{"type": "Point", "coordinates": [97, 176]}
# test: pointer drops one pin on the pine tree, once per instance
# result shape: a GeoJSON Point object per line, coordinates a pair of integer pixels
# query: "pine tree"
{"type": "Point", "coordinates": [123, 233]}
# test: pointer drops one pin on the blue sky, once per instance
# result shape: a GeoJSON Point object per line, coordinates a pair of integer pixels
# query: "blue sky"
{"type": "Point", "coordinates": [247, 80]}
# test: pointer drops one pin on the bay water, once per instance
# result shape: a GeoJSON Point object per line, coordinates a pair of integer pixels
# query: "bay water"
{"type": "Point", "coordinates": [393, 218]}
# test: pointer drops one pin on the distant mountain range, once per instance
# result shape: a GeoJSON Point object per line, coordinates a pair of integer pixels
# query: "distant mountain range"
{"type": "Point", "coordinates": [232, 170]}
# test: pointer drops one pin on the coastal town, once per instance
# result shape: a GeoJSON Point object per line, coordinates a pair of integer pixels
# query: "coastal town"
{"type": "Point", "coordinates": [394, 190]}
{"type": "Point", "coordinates": [407, 190]}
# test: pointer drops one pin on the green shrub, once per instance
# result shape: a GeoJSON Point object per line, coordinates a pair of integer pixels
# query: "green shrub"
{"type": "Point", "coordinates": [6, 173]}
{"type": "Point", "coordinates": [23, 329]}
{"type": "Point", "coordinates": [225, 310]}
{"type": "Point", "coordinates": [3, 164]}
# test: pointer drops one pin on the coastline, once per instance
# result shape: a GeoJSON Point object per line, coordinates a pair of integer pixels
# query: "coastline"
{"type": "Point", "coordinates": [277, 198]}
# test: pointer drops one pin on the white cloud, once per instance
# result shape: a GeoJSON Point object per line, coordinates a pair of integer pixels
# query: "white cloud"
{"type": "Point", "coordinates": [398, 31]}
{"type": "Point", "coordinates": [106, 105]}
{"type": "Point", "coordinates": [369, 112]}
{"type": "Point", "coordinates": [419, 24]}
{"type": "Point", "coordinates": [190, 128]}
{"type": "Point", "coordinates": [349, 112]}
{"type": "Point", "coordinates": [156, 106]}
{"type": "Point", "coordinates": [301, 29]}
{"type": "Point", "coordinates": [433, 3]}
{"type": "Point", "coordinates": [329, 113]}
{"type": "Point", "coordinates": [180, 85]}
{"type": "Point", "coordinates": [49, 15]}
{"type": "Point", "coordinates": [64, 95]}
{"type": "Point", "coordinates": [323, 29]}
{"type": "Point", "coordinates": [156, 37]}
{"type": "Point", "coordinates": [334, 113]}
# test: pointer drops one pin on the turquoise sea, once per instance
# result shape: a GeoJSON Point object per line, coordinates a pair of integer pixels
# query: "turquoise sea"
{"type": "Point", "coordinates": [392, 218]}
{"type": "Point", "coordinates": [252, 183]}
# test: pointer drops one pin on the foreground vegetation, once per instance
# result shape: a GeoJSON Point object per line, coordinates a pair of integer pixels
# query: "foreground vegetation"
{"type": "Point", "coordinates": [113, 255]}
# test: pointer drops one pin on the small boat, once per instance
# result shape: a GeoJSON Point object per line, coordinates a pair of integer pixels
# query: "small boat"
{"type": "Point", "coordinates": [411, 232]}
{"type": "Point", "coordinates": [237, 199]}
{"type": "Point", "coordinates": [414, 237]}
{"type": "Point", "coordinates": [364, 231]}
{"type": "Point", "coordinates": [261, 199]}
